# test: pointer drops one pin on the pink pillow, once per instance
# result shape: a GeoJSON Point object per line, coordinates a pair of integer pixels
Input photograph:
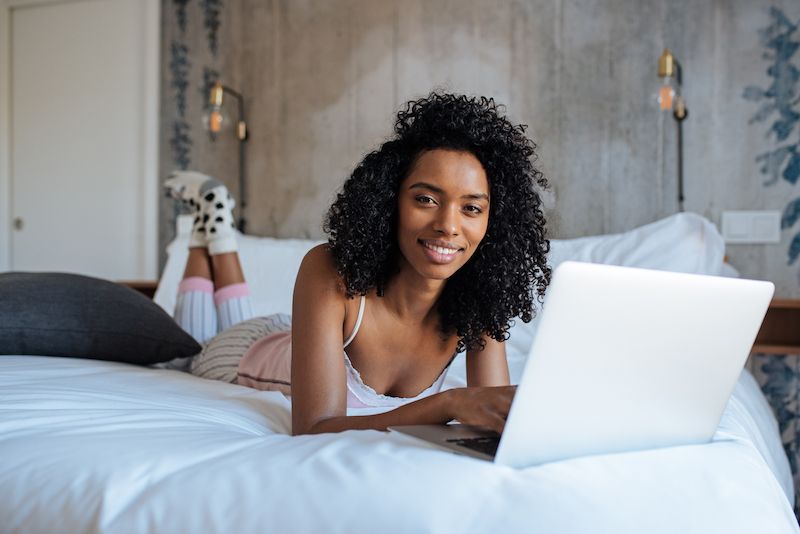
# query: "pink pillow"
{"type": "Point", "coordinates": [267, 365]}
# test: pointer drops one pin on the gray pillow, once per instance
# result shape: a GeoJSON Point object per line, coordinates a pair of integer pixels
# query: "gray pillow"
{"type": "Point", "coordinates": [58, 314]}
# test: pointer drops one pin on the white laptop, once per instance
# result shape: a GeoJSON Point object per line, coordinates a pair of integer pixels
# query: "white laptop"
{"type": "Point", "coordinates": [624, 359]}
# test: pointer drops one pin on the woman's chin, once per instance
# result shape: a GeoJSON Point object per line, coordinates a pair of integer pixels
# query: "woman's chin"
{"type": "Point", "coordinates": [437, 271]}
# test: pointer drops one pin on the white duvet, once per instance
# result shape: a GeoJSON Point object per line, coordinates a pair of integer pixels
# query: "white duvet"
{"type": "Point", "coordinates": [90, 446]}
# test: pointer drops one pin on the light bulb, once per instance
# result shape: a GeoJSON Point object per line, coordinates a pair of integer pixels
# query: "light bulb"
{"type": "Point", "coordinates": [669, 92]}
{"type": "Point", "coordinates": [216, 119]}
{"type": "Point", "coordinates": [666, 95]}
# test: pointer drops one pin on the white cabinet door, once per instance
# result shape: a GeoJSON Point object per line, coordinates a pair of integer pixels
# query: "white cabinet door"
{"type": "Point", "coordinates": [82, 167]}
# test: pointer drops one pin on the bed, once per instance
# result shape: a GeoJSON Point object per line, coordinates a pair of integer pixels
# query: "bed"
{"type": "Point", "coordinates": [96, 446]}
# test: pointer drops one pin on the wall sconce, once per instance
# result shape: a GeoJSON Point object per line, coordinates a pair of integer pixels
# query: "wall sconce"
{"type": "Point", "coordinates": [217, 120]}
{"type": "Point", "coordinates": [671, 99]}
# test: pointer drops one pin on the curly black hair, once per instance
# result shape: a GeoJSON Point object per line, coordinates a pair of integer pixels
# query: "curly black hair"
{"type": "Point", "coordinates": [508, 269]}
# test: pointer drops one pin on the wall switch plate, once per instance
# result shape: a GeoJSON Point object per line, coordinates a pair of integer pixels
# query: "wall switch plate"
{"type": "Point", "coordinates": [752, 227]}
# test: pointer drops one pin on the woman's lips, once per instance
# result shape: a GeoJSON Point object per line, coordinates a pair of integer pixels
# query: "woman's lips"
{"type": "Point", "coordinates": [439, 257]}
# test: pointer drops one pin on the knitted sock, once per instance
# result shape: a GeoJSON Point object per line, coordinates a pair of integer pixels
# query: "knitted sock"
{"type": "Point", "coordinates": [233, 305]}
{"type": "Point", "coordinates": [217, 220]}
{"type": "Point", "coordinates": [194, 310]}
{"type": "Point", "coordinates": [184, 186]}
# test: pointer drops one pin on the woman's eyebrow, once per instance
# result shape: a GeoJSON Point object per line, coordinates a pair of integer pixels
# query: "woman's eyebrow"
{"type": "Point", "coordinates": [424, 185]}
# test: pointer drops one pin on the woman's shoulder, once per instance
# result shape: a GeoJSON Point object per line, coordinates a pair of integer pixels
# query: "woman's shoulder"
{"type": "Point", "coordinates": [320, 258]}
{"type": "Point", "coordinates": [318, 268]}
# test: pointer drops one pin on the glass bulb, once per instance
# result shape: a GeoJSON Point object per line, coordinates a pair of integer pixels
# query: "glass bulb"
{"type": "Point", "coordinates": [216, 119]}
{"type": "Point", "coordinates": [667, 94]}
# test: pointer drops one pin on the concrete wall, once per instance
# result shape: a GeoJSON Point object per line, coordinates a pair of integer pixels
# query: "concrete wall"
{"type": "Point", "coordinates": [324, 78]}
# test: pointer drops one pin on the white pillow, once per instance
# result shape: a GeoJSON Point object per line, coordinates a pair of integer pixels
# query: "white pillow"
{"type": "Point", "coordinates": [270, 267]}
{"type": "Point", "coordinates": [684, 242]}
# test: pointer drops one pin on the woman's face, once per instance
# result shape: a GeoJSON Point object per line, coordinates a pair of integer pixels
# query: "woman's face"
{"type": "Point", "coordinates": [443, 212]}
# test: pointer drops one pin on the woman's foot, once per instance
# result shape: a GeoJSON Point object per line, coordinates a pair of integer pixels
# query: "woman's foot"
{"type": "Point", "coordinates": [212, 206]}
{"type": "Point", "coordinates": [184, 186]}
{"type": "Point", "coordinates": [218, 222]}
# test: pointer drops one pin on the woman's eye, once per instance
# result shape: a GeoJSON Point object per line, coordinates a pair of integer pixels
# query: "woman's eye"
{"type": "Point", "coordinates": [424, 200]}
{"type": "Point", "coordinates": [474, 209]}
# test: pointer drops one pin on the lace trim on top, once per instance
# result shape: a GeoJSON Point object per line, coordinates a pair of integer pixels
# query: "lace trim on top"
{"type": "Point", "coordinates": [368, 396]}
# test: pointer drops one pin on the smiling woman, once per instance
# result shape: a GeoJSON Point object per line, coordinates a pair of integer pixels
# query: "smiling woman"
{"type": "Point", "coordinates": [440, 235]}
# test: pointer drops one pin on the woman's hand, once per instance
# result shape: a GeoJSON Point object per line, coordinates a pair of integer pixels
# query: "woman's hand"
{"type": "Point", "coordinates": [486, 407]}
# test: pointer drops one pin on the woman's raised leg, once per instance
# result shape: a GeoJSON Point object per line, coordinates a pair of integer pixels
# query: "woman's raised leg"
{"type": "Point", "coordinates": [198, 264]}
{"type": "Point", "coordinates": [232, 295]}
{"type": "Point", "coordinates": [227, 269]}
{"type": "Point", "coordinates": [214, 228]}
{"type": "Point", "coordinates": [195, 311]}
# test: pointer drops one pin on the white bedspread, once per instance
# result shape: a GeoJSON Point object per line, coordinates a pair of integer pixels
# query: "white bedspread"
{"type": "Point", "coordinates": [91, 446]}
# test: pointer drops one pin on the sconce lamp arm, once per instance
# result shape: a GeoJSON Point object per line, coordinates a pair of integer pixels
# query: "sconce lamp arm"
{"type": "Point", "coordinates": [678, 71]}
{"type": "Point", "coordinates": [240, 102]}
{"type": "Point", "coordinates": [242, 134]}
{"type": "Point", "coordinates": [670, 67]}
{"type": "Point", "coordinates": [236, 94]}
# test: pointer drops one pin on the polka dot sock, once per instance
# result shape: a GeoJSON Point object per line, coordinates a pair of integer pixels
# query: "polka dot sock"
{"type": "Point", "coordinates": [217, 218]}
{"type": "Point", "coordinates": [184, 186]}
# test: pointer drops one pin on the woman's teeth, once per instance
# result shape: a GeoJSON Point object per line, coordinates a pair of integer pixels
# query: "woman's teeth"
{"type": "Point", "coordinates": [441, 250]}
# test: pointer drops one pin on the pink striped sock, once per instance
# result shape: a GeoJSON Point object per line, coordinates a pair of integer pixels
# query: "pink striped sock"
{"type": "Point", "coordinates": [233, 305]}
{"type": "Point", "coordinates": [194, 308]}
{"type": "Point", "coordinates": [196, 283]}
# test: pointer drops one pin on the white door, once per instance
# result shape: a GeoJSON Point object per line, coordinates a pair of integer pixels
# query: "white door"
{"type": "Point", "coordinates": [83, 105]}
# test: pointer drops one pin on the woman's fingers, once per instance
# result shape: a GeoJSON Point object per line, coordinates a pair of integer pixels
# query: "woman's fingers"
{"type": "Point", "coordinates": [496, 423]}
{"type": "Point", "coordinates": [486, 407]}
{"type": "Point", "coordinates": [487, 419]}
{"type": "Point", "coordinates": [493, 416]}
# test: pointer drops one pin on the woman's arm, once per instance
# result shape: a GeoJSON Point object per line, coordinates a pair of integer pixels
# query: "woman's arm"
{"type": "Point", "coordinates": [488, 367]}
{"type": "Point", "coordinates": [434, 409]}
{"type": "Point", "coordinates": [485, 407]}
{"type": "Point", "coordinates": [319, 387]}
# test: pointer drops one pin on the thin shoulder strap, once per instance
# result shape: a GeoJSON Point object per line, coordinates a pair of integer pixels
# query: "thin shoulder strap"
{"type": "Point", "coordinates": [358, 321]}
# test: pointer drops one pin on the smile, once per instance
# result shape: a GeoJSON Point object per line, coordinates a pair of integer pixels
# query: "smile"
{"type": "Point", "coordinates": [439, 254]}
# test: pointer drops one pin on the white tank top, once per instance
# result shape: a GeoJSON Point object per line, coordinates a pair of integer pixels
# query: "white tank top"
{"type": "Point", "coordinates": [360, 395]}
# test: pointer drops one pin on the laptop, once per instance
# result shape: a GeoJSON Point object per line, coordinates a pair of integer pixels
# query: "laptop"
{"type": "Point", "coordinates": [624, 359]}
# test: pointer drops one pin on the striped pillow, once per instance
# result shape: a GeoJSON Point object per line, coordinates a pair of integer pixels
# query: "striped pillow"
{"type": "Point", "coordinates": [254, 353]}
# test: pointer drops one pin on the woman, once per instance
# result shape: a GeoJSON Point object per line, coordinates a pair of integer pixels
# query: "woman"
{"type": "Point", "coordinates": [437, 241]}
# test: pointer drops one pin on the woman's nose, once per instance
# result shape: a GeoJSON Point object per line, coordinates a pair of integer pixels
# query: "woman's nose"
{"type": "Point", "coordinates": [447, 221]}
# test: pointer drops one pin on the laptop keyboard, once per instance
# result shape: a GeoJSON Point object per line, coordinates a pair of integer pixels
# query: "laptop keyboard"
{"type": "Point", "coordinates": [487, 445]}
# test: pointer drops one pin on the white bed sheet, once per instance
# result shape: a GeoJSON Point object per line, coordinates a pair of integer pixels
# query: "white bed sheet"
{"type": "Point", "coordinates": [104, 447]}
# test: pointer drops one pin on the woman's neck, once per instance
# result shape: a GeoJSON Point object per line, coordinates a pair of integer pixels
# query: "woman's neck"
{"type": "Point", "coordinates": [411, 298]}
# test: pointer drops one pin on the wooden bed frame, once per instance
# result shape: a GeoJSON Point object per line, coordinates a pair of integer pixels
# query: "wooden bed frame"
{"type": "Point", "coordinates": [780, 331]}
{"type": "Point", "coordinates": [145, 287]}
